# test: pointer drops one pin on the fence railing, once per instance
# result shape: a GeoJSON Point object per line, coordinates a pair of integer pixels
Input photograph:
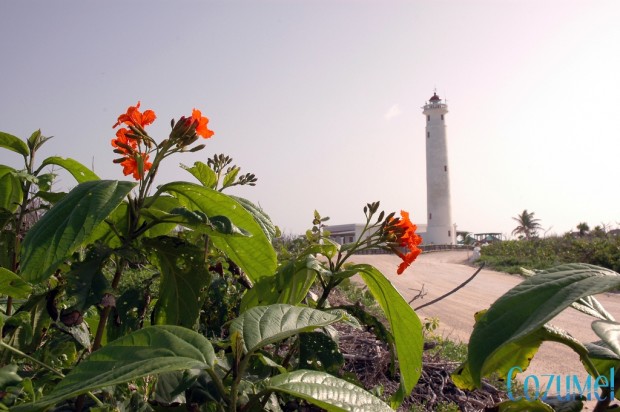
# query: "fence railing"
{"type": "Point", "coordinates": [425, 249]}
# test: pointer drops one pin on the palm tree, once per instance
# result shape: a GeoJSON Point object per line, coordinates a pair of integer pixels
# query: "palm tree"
{"type": "Point", "coordinates": [528, 225]}
{"type": "Point", "coordinates": [583, 228]}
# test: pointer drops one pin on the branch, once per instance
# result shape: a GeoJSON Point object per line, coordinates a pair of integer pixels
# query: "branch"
{"type": "Point", "coordinates": [452, 291]}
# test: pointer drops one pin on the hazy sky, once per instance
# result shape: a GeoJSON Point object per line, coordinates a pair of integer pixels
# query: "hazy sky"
{"type": "Point", "coordinates": [322, 99]}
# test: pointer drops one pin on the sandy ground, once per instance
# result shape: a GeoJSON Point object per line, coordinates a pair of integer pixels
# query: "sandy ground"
{"type": "Point", "coordinates": [440, 272]}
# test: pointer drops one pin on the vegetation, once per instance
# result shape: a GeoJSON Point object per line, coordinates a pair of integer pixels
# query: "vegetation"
{"type": "Point", "coordinates": [537, 253]}
{"type": "Point", "coordinates": [126, 297]}
{"type": "Point", "coordinates": [528, 226]}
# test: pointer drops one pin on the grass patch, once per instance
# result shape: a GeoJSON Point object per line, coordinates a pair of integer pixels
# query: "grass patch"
{"type": "Point", "coordinates": [448, 350]}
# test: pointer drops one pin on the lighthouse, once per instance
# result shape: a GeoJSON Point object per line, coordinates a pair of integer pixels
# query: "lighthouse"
{"type": "Point", "coordinates": [440, 229]}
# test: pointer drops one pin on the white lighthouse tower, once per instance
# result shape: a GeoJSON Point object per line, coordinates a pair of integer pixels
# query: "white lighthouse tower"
{"type": "Point", "coordinates": [440, 228]}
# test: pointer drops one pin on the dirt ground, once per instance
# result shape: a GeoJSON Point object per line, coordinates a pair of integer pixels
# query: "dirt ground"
{"type": "Point", "coordinates": [439, 272]}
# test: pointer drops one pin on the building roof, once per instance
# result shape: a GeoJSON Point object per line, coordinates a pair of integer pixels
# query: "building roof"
{"type": "Point", "coordinates": [434, 98]}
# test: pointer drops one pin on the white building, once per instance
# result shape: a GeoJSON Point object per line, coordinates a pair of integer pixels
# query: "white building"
{"type": "Point", "coordinates": [440, 229]}
{"type": "Point", "coordinates": [349, 233]}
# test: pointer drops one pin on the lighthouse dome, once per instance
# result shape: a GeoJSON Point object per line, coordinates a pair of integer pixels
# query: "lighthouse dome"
{"type": "Point", "coordinates": [435, 98]}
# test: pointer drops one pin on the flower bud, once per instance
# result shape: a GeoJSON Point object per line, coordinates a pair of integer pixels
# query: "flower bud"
{"type": "Point", "coordinates": [197, 148]}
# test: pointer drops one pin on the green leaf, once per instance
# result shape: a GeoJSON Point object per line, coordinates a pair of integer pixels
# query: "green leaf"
{"type": "Point", "coordinates": [290, 284]}
{"type": "Point", "coordinates": [51, 197]}
{"type": "Point", "coordinates": [260, 216]}
{"type": "Point", "coordinates": [609, 332]}
{"type": "Point", "coordinates": [591, 306]}
{"type": "Point", "coordinates": [128, 314]}
{"type": "Point", "coordinates": [149, 351]}
{"type": "Point", "coordinates": [254, 254]}
{"type": "Point", "coordinates": [524, 405]}
{"type": "Point", "coordinates": [184, 276]}
{"type": "Point", "coordinates": [203, 173]}
{"type": "Point", "coordinates": [327, 392]}
{"type": "Point", "coordinates": [404, 323]}
{"type": "Point", "coordinates": [8, 141]}
{"type": "Point", "coordinates": [519, 354]}
{"type": "Point", "coordinates": [67, 225]}
{"type": "Point", "coordinates": [29, 323]}
{"type": "Point", "coordinates": [7, 246]}
{"type": "Point", "coordinates": [231, 175]}
{"type": "Point", "coordinates": [329, 249]}
{"type": "Point", "coordinates": [603, 359]}
{"type": "Point", "coordinates": [45, 180]}
{"type": "Point", "coordinates": [80, 172]}
{"type": "Point", "coordinates": [9, 376]}
{"type": "Point", "coordinates": [13, 285]}
{"type": "Point", "coordinates": [86, 283]}
{"type": "Point", "coordinates": [263, 325]}
{"type": "Point", "coordinates": [317, 351]}
{"type": "Point", "coordinates": [529, 305]}
{"type": "Point", "coordinates": [11, 193]}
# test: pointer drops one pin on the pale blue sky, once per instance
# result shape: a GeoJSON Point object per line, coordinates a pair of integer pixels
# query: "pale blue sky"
{"type": "Point", "coordinates": [322, 99]}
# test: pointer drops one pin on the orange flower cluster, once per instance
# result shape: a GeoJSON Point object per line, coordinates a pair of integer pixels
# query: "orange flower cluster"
{"type": "Point", "coordinates": [404, 233]}
{"type": "Point", "coordinates": [187, 129]}
{"type": "Point", "coordinates": [126, 142]}
{"type": "Point", "coordinates": [131, 137]}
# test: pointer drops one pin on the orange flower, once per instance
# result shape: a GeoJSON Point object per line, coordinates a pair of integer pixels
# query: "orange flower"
{"type": "Point", "coordinates": [133, 117]}
{"type": "Point", "coordinates": [201, 124]}
{"type": "Point", "coordinates": [122, 141]}
{"type": "Point", "coordinates": [130, 165]}
{"type": "Point", "coordinates": [404, 231]}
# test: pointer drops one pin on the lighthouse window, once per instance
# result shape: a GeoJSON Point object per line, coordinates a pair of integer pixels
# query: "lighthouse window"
{"type": "Point", "coordinates": [442, 117]}
{"type": "Point", "coordinates": [445, 168]}
{"type": "Point", "coordinates": [430, 216]}
{"type": "Point", "coordinates": [449, 233]}
{"type": "Point", "coordinates": [428, 118]}
{"type": "Point", "coordinates": [428, 134]}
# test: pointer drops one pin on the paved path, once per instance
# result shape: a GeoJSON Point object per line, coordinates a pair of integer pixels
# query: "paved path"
{"type": "Point", "coordinates": [439, 272]}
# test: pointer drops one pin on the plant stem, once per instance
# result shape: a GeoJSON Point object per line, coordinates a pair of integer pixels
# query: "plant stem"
{"type": "Point", "coordinates": [30, 358]}
{"type": "Point", "coordinates": [232, 407]}
{"type": "Point", "coordinates": [44, 366]}
{"type": "Point", "coordinates": [105, 314]}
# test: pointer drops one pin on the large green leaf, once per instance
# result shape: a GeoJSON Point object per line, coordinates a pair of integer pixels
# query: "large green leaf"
{"type": "Point", "coordinates": [184, 276]}
{"type": "Point", "coordinates": [8, 141]}
{"type": "Point", "coordinates": [263, 325]}
{"type": "Point", "coordinates": [254, 254]}
{"type": "Point", "coordinates": [11, 193]}
{"type": "Point", "coordinates": [151, 350]}
{"type": "Point", "coordinates": [86, 283]}
{"type": "Point", "coordinates": [13, 285]}
{"type": "Point", "coordinates": [290, 284]}
{"type": "Point", "coordinates": [327, 392]}
{"type": "Point", "coordinates": [261, 217]}
{"type": "Point", "coordinates": [519, 354]}
{"type": "Point", "coordinates": [404, 323]}
{"type": "Point", "coordinates": [529, 305]}
{"type": "Point", "coordinates": [80, 172]}
{"type": "Point", "coordinates": [67, 225]}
